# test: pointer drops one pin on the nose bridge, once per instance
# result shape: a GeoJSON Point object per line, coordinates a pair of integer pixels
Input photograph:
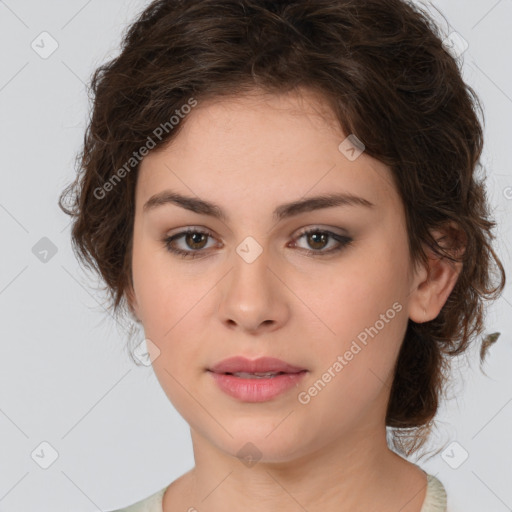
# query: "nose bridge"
{"type": "Point", "coordinates": [252, 294]}
{"type": "Point", "coordinates": [250, 276]}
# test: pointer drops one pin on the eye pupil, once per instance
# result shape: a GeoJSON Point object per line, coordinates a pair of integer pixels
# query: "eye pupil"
{"type": "Point", "coordinates": [196, 238]}
{"type": "Point", "coordinates": [319, 238]}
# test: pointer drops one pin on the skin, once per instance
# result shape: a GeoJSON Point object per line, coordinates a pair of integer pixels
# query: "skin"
{"type": "Point", "coordinates": [249, 154]}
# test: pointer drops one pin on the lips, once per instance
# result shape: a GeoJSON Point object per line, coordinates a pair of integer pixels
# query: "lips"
{"type": "Point", "coordinates": [256, 380]}
{"type": "Point", "coordinates": [263, 365]}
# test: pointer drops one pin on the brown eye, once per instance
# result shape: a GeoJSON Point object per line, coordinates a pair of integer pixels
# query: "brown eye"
{"type": "Point", "coordinates": [195, 240]}
{"type": "Point", "coordinates": [318, 239]}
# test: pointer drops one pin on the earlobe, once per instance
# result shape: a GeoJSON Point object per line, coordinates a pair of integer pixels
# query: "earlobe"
{"type": "Point", "coordinates": [418, 297]}
{"type": "Point", "coordinates": [433, 284]}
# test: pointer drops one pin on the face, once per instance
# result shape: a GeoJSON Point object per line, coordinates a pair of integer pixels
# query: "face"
{"type": "Point", "coordinates": [324, 287]}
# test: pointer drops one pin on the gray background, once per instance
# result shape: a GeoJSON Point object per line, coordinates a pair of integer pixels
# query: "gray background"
{"type": "Point", "coordinates": [65, 376]}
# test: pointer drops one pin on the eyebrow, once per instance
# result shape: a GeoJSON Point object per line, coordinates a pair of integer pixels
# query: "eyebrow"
{"type": "Point", "coordinates": [283, 211]}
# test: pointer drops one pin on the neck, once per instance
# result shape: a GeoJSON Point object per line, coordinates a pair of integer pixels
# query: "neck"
{"type": "Point", "coordinates": [356, 472]}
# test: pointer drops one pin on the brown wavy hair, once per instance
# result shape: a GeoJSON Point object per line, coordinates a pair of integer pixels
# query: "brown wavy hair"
{"type": "Point", "coordinates": [382, 68]}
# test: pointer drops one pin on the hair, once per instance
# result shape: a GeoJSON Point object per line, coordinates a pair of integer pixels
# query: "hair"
{"type": "Point", "coordinates": [382, 68]}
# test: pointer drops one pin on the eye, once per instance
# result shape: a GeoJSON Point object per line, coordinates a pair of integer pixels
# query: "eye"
{"type": "Point", "coordinates": [318, 239]}
{"type": "Point", "coordinates": [196, 240]}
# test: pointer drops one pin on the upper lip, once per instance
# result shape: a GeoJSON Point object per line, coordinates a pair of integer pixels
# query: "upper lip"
{"type": "Point", "coordinates": [262, 364]}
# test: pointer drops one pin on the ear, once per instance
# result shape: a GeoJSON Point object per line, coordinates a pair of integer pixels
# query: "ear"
{"type": "Point", "coordinates": [432, 284]}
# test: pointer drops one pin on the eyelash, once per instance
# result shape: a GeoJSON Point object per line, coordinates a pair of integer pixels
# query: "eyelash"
{"type": "Point", "coordinates": [344, 241]}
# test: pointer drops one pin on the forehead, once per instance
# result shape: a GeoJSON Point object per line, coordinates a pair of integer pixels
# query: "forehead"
{"type": "Point", "coordinates": [262, 146]}
{"type": "Point", "coordinates": [255, 122]}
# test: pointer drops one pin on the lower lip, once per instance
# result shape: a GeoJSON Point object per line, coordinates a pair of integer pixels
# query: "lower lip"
{"type": "Point", "coordinates": [257, 389]}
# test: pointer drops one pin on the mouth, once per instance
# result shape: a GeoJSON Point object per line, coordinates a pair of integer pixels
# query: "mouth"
{"type": "Point", "coordinates": [254, 368]}
{"type": "Point", "coordinates": [260, 375]}
{"type": "Point", "coordinates": [256, 380]}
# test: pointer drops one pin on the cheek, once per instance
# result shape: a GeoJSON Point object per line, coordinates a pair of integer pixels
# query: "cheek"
{"type": "Point", "coordinates": [170, 309]}
{"type": "Point", "coordinates": [356, 296]}
{"type": "Point", "coordinates": [156, 283]}
{"type": "Point", "coordinates": [363, 317]}
{"type": "Point", "coordinates": [354, 365]}
{"type": "Point", "coordinates": [171, 302]}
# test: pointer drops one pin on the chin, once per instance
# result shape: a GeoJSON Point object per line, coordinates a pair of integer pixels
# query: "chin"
{"type": "Point", "coordinates": [261, 443]}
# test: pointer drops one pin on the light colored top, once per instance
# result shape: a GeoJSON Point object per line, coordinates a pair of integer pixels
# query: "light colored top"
{"type": "Point", "coordinates": [435, 499]}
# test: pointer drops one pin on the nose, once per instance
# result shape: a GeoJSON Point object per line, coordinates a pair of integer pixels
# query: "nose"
{"type": "Point", "coordinates": [254, 297]}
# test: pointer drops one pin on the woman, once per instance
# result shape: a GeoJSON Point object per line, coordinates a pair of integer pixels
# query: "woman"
{"type": "Point", "coordinates": [283, 195]}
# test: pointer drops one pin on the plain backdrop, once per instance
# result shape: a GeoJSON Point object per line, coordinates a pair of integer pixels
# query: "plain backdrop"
{"type": "Point", "coordinates": [70, 397]}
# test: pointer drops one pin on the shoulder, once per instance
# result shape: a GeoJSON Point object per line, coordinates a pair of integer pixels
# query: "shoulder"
{"type": "Point", "coordinates": [435, 498]}
{"type": "Point", "coordinates": [152, 503]}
